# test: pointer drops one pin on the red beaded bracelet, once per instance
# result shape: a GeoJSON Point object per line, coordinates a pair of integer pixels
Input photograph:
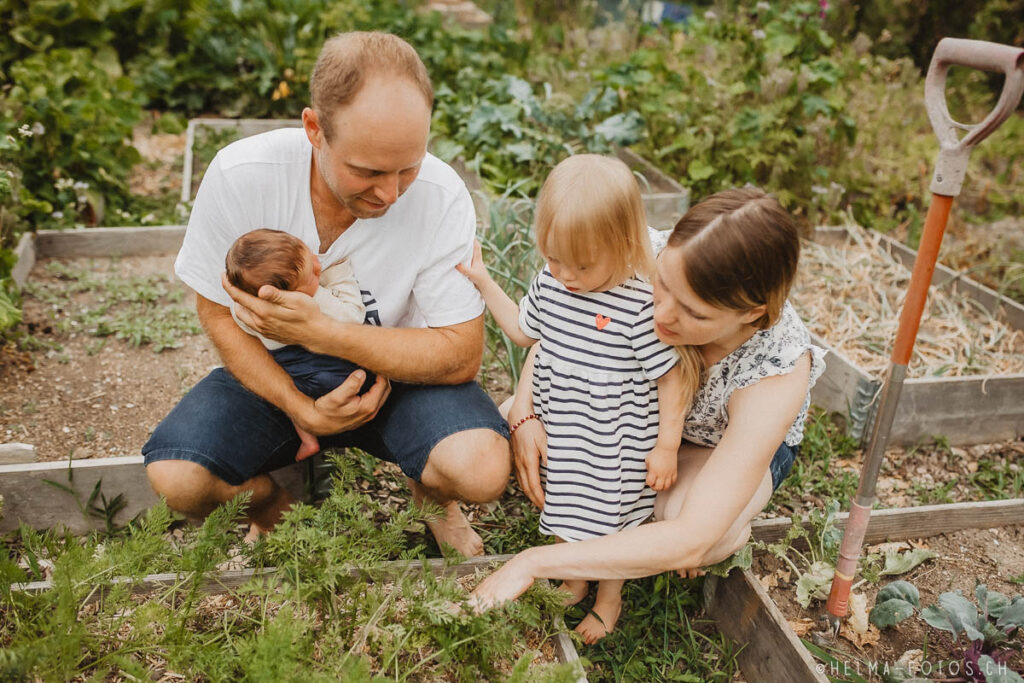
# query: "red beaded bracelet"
{"type": "Point", "coordinates": [517, 425]}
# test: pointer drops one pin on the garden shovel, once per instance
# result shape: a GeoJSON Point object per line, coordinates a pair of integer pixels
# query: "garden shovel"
{"type": "Point", "coordinates": [949, 176]}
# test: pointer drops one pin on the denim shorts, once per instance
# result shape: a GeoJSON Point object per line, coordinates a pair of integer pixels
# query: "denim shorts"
{"type": "Point", "coordinates": [782, 463]}
{"type": "Point", "coordinates": [236, 435]}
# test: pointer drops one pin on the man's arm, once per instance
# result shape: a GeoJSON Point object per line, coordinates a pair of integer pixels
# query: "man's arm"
{"type": "Point", "coordinates": [247, 359]}
{"type": "Point", "coordinates": [432, 355]}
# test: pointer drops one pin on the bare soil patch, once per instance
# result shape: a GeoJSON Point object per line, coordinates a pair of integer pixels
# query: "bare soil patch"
{"type": "Point", "coordinates": [79, 395]}
{"type": "Point", "coordinates": [990, 556]}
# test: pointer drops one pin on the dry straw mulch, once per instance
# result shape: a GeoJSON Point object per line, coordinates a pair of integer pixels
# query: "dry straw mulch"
{"type": "Point", "coordinates": [851, 296]}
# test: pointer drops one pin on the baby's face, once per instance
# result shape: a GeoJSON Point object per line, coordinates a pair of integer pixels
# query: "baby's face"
{"type": "Point", "coordinates": [310, 275]}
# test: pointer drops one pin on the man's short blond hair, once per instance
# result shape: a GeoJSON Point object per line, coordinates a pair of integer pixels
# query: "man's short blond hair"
{"type": "Point", "coordinates": [348, 59]}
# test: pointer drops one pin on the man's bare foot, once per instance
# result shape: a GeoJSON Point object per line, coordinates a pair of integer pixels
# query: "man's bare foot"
{"type": "Point", "coordinates": [255, 531]}
{"type": "Point", "coordinates": [600, 621]}
{"type": "Point", "coordinates": [451, 528]}
{"type": "Point", "coordinates": [576, 591]}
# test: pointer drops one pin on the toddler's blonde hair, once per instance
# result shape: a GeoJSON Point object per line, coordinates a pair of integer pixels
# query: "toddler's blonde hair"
{"type": "Point", "coordinates": [589, 208]}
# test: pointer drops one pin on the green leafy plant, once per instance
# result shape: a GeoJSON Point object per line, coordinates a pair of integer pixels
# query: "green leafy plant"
{"type": "Point", "coordinates": [662, 635]}
{"type": "Point", "coordinates": [988, 629]}
{"type": "Point", "coordinates": [895, 602]}
{"type": "Point", "coordinates": [137, 309]}
{"type": "Point", "coordinates": [328, 612]}
{"type": "Point", "coordinates": [814, 568]}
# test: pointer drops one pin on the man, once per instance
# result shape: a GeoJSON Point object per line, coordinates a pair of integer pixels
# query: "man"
{"type": "Point", "coordinates": [357, 183]}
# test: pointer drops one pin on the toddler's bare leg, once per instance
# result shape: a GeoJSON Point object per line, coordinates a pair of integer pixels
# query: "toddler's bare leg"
{"type": "Point", "coordinates": [605, 613]}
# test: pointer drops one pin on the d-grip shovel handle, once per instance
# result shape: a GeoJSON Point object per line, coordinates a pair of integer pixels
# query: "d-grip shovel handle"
{"type": "Point", "coordinates": [978, 54]}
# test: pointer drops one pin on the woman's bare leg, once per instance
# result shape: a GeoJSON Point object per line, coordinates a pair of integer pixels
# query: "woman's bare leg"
{"type": "Point", "coordinates": [669, 504]}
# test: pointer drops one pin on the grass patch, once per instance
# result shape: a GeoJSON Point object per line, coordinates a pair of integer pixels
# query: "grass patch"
{"type": "Point", "coordinates": [815, 472]}
{"type": "Point", "coordinates": [314, 619]}
{"type": "Point", "coordinates": [662, 635]}
{"type": "Point", "coordinates": [140, 310]}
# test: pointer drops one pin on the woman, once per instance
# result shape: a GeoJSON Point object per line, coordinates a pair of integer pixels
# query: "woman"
{"type": "Point", "coordinates": [720, 288]}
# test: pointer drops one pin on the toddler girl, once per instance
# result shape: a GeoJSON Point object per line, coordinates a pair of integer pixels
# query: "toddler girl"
{"type": "Point", "coordinates": [609, 394]}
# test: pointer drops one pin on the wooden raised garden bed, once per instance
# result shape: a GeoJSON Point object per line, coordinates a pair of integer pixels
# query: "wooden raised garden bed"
{"type": "Point", "coordinates": [967, 409]}
{"type": "Point", "coordinates": [746, 613]}
{"type": "Point", "coordinates": [35, 493]}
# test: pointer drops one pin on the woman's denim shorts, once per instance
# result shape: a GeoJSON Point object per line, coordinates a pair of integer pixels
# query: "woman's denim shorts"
{"type": "Point", "coordinates": [236, 435]}
{"type": "Point", "coordinates": [782, 463]}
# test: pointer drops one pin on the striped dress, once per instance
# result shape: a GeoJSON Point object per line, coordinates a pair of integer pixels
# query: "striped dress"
{"type": "Point", "coordinates": [594, 390]}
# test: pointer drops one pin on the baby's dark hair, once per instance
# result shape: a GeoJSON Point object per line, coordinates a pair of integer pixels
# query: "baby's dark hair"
{"type": "Point", "coordinates": [740, 250]}
{"type": "Point", "coordinates": [265, 257]}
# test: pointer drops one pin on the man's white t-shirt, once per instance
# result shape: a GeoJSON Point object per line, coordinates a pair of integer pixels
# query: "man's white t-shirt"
{"type": "Point", "coordinates": [404, 261]}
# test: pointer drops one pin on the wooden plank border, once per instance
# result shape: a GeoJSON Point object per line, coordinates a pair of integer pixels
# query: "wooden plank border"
{"type": "Point", "coordinates": [29, 499]}
{"type": "Point", "coordinates": [223, 581]}
{"type": "Point", "coordinates": [745, 613]}
{"type": "Point", "coordinates": [900, 524]}
{"type": "Point", "coordinates": [24, 259]}
{"type": "Point", "coordinates": [109, 242]}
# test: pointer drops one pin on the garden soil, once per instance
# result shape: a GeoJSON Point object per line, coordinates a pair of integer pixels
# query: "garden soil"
{"type": "Point", "coordinates": [81, 396]}
{"type": "Point", "coordinates": [990, 556]}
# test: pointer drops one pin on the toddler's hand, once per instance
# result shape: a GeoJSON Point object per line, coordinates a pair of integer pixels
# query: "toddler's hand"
{"type": "Point", "coordinates": [477, 271]}
{"type": "Point", "coordinates": [661, 468]}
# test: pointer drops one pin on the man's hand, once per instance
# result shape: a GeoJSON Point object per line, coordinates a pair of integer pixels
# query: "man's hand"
{"type": "Point", "coordinates": [529, 449]}
{"type": "Point", "coordinates": [343, 409]}
{"type": "Point", "coordinates": [661, 468]}
{"type": "Point", "coordinates": [286, 317]}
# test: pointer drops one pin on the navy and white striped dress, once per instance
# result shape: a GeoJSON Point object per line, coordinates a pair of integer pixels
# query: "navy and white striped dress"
{"type": "Point", "coordinates": [594, 389]}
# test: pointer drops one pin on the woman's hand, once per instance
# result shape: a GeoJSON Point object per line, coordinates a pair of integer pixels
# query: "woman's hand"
{"type": "Point", "coordinates": [529, 449]}
{"type": "Point", "coordinates": [343, 409]}
{"type": "Point", "coordinates": [504, 585]}
{"type": "Point", "coordinates": [286, 317]}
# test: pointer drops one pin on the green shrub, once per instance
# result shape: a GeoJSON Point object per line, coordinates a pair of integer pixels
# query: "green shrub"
{"type": "Point", "coordinates": [72, 112]}
{"type": "Point", "coordinates": [750, 98]}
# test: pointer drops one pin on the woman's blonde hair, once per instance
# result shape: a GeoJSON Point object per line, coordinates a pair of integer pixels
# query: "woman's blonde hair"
{"type": "Point", "coordinates": [740, 250]}
{"type": "Point", "coordinates": [589, 208]}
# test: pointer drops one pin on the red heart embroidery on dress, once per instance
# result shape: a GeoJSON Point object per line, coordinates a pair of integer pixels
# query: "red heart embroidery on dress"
{"type": "Point", "coordinates": [602, 321]}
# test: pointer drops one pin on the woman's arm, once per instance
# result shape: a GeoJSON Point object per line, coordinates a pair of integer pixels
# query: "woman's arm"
{"type": "Point", "coordinates": [500, 304]}
{"type": "Point", "coordinates": [718, 493]}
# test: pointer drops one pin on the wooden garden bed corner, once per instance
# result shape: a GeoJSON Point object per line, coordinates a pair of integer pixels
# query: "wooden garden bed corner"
{"type": "Point", "coordinates": [745, 613]}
